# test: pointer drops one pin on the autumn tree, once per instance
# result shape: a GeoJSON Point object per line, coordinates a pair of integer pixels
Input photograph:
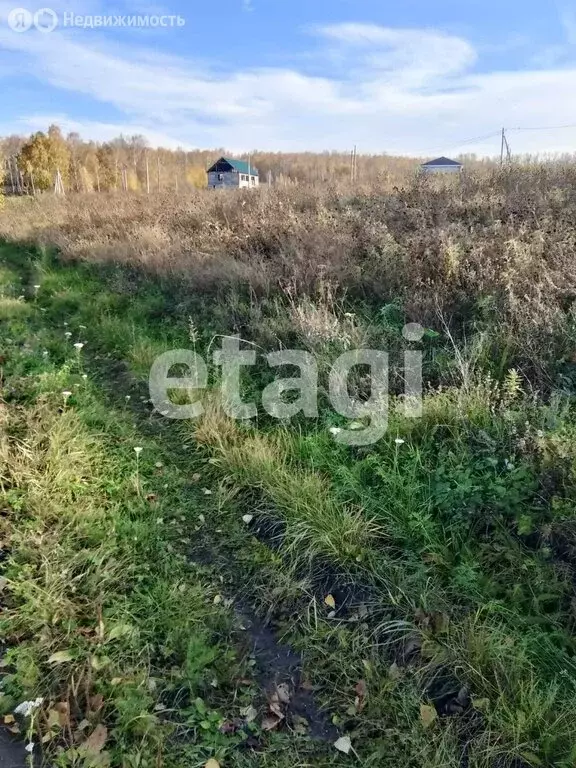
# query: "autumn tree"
{"type": "Point", "coordinates": [42, 156]}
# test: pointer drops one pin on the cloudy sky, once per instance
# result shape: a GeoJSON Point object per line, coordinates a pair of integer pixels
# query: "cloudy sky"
{"type": "Point", "coordinates": [423, 77]}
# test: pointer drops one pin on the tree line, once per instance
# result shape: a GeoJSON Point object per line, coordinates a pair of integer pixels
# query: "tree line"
{"type": "Point", "coordinates": [51, 161]}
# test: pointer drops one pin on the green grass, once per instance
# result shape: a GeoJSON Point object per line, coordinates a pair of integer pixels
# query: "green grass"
{"type": "Point", "coordinates": [432, 572]}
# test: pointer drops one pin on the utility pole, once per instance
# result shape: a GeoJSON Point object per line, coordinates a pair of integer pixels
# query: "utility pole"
{"type": "Point", "coordinates": [158, 168]}
{"type": "Point", "coordinates": [147, 175]}
{"type": "Point", "coordinates": [504, 145]}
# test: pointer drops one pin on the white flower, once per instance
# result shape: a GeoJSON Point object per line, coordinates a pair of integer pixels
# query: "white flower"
{"type": "Point", "coordinates": [27, 707]}
{"type": "Point", "coordinates": [399, 441]}
{"type": "Point", "coordinates": [334, 430]}
{"type": "Point", "coordinates": [207, 492]}
{"type": "Point", "coordinates": [29, 747]}
{"type": "Point", "coordinates": [138, 450]}
{"type": "Point", "coordinates": [78, 345]}
{"type": "Point", "coordinates": [82, 327]}
{"type": "Point", "coordinates": [84, 376]}
{"type": "Point", "coordinates": [68, 334]}
{"type": "Point", "coordinates": [540, 433]}
{"type": "Point", "coordinates": [66, 394]}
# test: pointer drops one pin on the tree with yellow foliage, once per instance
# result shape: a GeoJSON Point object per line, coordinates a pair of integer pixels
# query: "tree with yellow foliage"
{"type": "Point", "coordinates": [197, 177]}
{"type": "Point", "coordinates": [42, 156]}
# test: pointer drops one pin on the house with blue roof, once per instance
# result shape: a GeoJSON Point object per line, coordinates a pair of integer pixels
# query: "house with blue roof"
{"type": "Point", "coordinates": [227, 173]}
{"type": "Point", "coordinates": [441, 165]}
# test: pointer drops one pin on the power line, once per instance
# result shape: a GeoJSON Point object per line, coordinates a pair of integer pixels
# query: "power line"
{"type": "Point", "coordinates": [545, 127]}
{"type": "Point", "coordinates": [460, 143]}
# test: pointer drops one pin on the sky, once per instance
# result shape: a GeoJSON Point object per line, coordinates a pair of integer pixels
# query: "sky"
{"type": "Point", "coordinates": [417, 77]}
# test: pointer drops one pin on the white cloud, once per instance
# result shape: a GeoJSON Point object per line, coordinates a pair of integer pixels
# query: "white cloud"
{"type": "Point", "coordinates": [395, 90]}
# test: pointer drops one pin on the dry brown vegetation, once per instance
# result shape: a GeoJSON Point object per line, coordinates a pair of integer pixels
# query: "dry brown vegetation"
{"type": "Point", "coordinates": [497, 247]}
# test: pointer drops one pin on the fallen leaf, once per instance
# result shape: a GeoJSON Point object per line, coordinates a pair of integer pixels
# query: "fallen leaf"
{"type": "Point", "coordinates": [96, 702]}
{"type": "Point", "coordinates": [330, 602]}
{"type": "Point", "coordinates": [361, 693]}
{"type": "Point", "coordinates": [343, 745]}
{"type": "Point", "coordinates": [283, 693]}
{"type": "Point", "coordinates": [8, 719]}
{"type": "Point", "coordinates": [63, 710]}
{"type": "Point", "coordinates": [247, 519]}
{"type": "Point", "coordinates": [95, 742]}
{"type": "Point", "coordinates": [427, 715]}
{"type": "Point", "coordinates": [229, 727]}
{"type": "Point", "coordinates": [249, 713]}
{"type": "Point", "coordinates": [361, 689]}
{"type": "Point", "coordinates": [60, 657]}
{"type": "Point", "coordinates": [480, 703]}
{"type": "Point", "coordinates": [270, 723]}
{"type": "Point", "coordinates": [212, 763]}
{"type": "Point", "coordinates": [275, 707]}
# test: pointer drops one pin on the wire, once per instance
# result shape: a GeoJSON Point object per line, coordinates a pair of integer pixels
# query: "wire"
{"type": "Point", "coordinates": [545, 127]}
{"type": "Point", "coordinates": [460, 143]}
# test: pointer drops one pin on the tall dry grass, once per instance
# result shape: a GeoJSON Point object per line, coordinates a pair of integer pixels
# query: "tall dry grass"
{"type": "Point", "coordinates": [497, 245]}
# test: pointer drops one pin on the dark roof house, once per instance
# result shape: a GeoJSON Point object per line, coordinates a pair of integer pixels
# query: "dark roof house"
{"type": "Point", "coordinates": [227, 164]}
{"type": "Point", "coordinates": [441, 165]}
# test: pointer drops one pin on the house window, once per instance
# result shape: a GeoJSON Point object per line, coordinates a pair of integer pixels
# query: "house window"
{"type": "Point", "coordinates": [220, 177]}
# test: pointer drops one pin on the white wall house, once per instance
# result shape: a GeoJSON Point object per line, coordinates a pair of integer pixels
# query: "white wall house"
{"type": "Point", "coordinates": [441, 165]}
{"type": "Point", "coordinates": [227, 173]}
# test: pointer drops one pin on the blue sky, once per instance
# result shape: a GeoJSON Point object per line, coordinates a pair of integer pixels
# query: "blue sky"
{"type": "Point", "coordinates": [415, 77]}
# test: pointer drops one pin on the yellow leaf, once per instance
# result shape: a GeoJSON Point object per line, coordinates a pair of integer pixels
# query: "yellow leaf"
{"type": "Point", "coordinates": [212, 763]}
{"type": "Point", "coordinates": [8, 719]}
{"type": "Point", "coordinates": [427, 714]}
{"type": "Point", "coordinates": [330, 602]}
{"type": "Point", "coordinates": [60, 657]}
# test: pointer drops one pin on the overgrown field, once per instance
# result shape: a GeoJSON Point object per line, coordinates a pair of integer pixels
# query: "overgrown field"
{"type": "Point", "coordinates": [254, 592]}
